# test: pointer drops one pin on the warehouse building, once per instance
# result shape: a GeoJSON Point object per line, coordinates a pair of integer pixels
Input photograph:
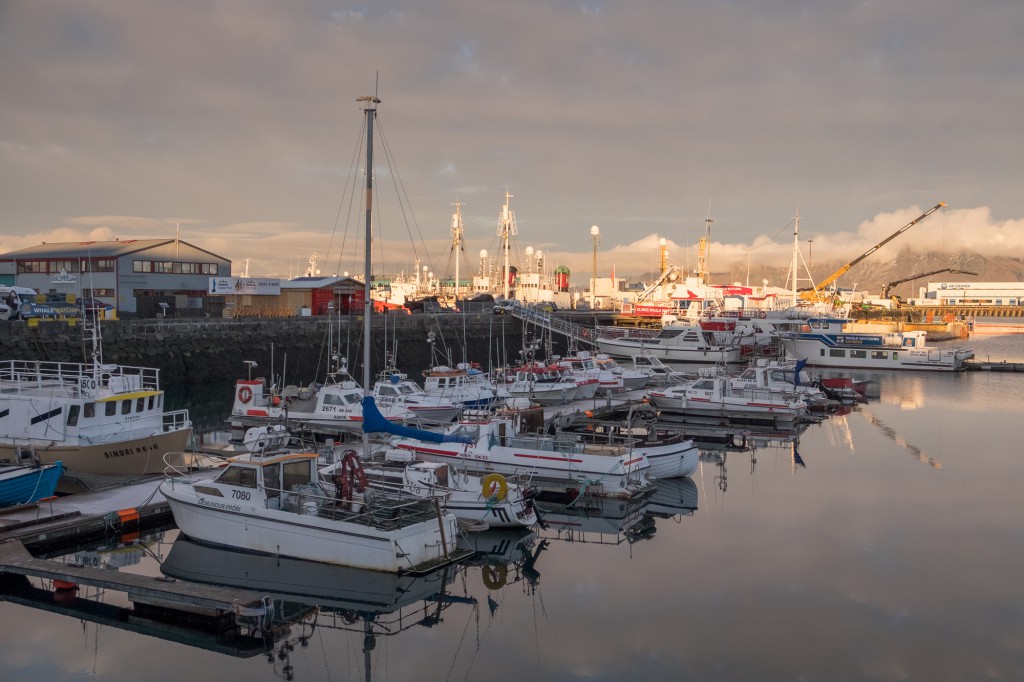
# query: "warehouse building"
{"type": "Point", "coordinates": [972, 293]}
{"type": "Point", "coordinates": [139, 277]}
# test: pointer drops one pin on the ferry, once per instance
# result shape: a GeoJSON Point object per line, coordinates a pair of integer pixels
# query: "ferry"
{"type": "Point", "coordinates": [824, 343]}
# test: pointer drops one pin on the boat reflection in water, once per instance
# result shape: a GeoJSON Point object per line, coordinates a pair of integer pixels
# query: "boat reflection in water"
{"type": "Point", "coordinates": [505, 557]}
{"type": "Point", "coordinates": [673, 497]}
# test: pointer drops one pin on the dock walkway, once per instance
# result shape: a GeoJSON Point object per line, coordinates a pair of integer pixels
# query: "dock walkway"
{"type": "Point", "coordinates": [14, 558]}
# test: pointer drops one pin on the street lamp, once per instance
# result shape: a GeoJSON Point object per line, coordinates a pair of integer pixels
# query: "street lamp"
{"type": "Point", "coordinates": [595, 233]}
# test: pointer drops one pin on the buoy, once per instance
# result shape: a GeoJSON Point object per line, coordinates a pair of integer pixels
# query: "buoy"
{"type": "Point", "coordinates": [245, 394]}
{"type": "Point", "coordinates": [494, 485]}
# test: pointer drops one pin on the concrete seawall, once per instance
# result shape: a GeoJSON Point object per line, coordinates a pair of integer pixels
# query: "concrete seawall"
{"type": "Point", "coordinates": [198, 352]}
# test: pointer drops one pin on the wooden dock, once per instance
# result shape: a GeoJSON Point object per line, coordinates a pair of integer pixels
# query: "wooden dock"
{"type": "Point", "coordinates": [14, 558]}
{"type": "Point", "coordinates": [1003, 366]}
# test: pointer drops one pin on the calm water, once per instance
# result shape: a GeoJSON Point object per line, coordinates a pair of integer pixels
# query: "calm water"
{"type": "Point", "coordinates": [894, 553]}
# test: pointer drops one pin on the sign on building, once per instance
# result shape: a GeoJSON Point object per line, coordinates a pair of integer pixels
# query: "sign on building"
{"type": "Point", "coordinates": [226, 286]}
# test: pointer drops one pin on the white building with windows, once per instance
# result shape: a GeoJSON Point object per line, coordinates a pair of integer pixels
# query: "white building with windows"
{"type": "Point", "coordinates": [972, 293]}
{"type": "Point", "coordinates": [133, 275]}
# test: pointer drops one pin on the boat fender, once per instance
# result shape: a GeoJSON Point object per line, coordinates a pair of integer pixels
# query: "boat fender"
{"type": "Point", "coordinates": [245, 394]}
{"type": "Point", "coordinates": [494, 576]}
{"type": "Point", "coordinates": [494, 485]}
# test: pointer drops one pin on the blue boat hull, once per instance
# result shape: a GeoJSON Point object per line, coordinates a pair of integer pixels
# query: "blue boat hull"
{"type": "Point", "coordinates": [24, 484]}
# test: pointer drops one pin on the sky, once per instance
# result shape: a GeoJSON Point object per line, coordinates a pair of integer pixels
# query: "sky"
{"type": "Point", "coordinates": [234, 124]}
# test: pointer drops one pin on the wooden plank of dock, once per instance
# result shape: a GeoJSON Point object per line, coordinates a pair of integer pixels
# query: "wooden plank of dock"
{"type": "Point", "coordinates": [14, 558]}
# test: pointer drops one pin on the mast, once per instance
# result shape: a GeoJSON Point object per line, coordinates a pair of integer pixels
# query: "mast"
{"type": "Point", "coordinates": [457, 243]}
{"type": "Point", "coordinates": [371, 111]}
{"type": "Point", "coordinates": [796, 251]}
{"type": "Point", "coordinates": [506, 229]}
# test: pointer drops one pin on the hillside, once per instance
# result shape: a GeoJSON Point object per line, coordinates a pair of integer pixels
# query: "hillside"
{"type": "Point", "coordinates": [875, 271]}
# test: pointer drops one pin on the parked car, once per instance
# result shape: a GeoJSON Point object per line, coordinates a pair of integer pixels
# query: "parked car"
{"type": "Point", "coordinates": [545, 307]}
{"type": "Point", "coordinates": [503, 306]}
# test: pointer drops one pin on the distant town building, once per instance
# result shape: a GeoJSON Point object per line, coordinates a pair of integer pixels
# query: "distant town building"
{"type": "Point", "coordinates": [133, 275]}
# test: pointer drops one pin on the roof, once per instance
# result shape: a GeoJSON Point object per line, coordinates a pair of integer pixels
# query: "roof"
{"type": "Point", "coordinates": [319, 282]}
{"type": "Point", "coordinates": [115, 249]}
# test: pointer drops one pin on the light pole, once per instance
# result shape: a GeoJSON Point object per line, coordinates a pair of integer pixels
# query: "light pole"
{"type": "Point", "coordinates": [595, 233]}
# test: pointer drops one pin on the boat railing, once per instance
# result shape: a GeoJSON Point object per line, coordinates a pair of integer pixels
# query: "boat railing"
{"type": "Point", "coordinates": [176, 420]}
{"type": "Point", "coordinates": [381, 511]}
{"type": "Point", "coordinates": [16, 374]}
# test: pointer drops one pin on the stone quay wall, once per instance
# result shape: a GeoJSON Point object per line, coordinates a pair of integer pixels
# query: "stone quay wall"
{"type": "Point", "coordinates": [213, 351]}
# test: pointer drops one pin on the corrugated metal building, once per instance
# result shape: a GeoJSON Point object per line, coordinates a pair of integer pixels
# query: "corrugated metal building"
{"type": "Point", "coordinates": [134, 275]}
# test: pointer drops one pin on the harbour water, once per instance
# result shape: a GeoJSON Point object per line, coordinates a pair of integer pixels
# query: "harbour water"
{"type": "Point", "coordinates": [884, 544]}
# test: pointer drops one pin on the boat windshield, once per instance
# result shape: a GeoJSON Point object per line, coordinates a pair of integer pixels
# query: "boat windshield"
{"type": "Point", "coordinates": [470, 430]}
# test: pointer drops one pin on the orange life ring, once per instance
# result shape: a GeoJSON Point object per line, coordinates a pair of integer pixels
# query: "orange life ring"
{"type": "Point", "coordinates": [762, 314]}
{"type": "Point", "coordinates": [245, 394]}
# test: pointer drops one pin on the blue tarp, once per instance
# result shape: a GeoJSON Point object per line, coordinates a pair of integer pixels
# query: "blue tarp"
{"type": "Point", "coordinates": [374, 422]}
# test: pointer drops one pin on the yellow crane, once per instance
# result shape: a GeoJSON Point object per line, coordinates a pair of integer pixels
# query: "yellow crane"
{"type": "Point", "coordinates": [817, 293]}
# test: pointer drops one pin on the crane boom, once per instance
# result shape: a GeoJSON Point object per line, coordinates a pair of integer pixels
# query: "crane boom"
{"type": "Point", "coordinates": [888, 287]}
{"type": "Point", "coordinates": [816, 295]}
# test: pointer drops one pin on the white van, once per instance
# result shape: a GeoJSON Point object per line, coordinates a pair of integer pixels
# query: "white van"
{"type": "Point", "coordinates": [16, 298]}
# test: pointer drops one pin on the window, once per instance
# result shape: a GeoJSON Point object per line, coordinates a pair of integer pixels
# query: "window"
{"type": "Point", "coordinates": [858, 353]}
{"type": "Point", "coordinates": [73, 412]}
{"type": "Point", "coordinates": [142, 266]}
{"type": "Point", "coordinates": [111, 408]}
{"type": "Point", "coordinates": [387, 390]}
{"type": "Point", "coordinates": [90, 410]}
{"type": "Point", "coordinates": [151, 402]}
{"type": "Point", "coordinates": [295, 473]}
{"type": "Point", "coordinates": [332, 399]}
{"type": "Point", "coordinates": [879, 355]}
{"type": "Point", "coordinates": [240, 476]}
{"type": "Point", "coordinates": [140, 405]}
{"type": "Point", "coordinates": [126, 407]}
{"type": "Point", "coordinates": [272, 479]}
{"type": "Point", "coordinates": [836, 353]}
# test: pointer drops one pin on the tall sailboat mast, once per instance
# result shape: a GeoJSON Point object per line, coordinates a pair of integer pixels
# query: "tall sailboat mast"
{"type": "Point", "coordinates": [506, 230]}
{"type": "Point", "coordinates": [457, 243]}
{"type": "Point", "coordinates": [370, 109]}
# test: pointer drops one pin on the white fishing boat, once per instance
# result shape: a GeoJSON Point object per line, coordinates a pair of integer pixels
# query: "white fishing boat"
{"type": "Point", "coordinates": [492, 501]}
{"type": "Point", "coordinates": [395, 388]}
{"type": "Point", "coordinates": [337, 404]}
{"type": "Point", "coordinates": [464, 385]}
{"type": "Point", "coordinates": [106, 423]}
{"type": "Point", "coordinates": [584, 367]}
{"type": "Point", "coordinates": [507, 445]}
{"type": "Point", "coordinates": [823, 343]}
{"type": "Point", "coordinates": [546, 385]}
{"type": "Point", "coordinates": [273, 502]}
{"type": "Point", "coordinates": [669, 453]}
{"type": "Point", "coordinates": [657, 372]}
{"type": "Point", "coordinates": [785, 377]}
{"type": "Point", "coordinates": [689, 344]}
{"type": "Point", "coordinates": [713, 398]}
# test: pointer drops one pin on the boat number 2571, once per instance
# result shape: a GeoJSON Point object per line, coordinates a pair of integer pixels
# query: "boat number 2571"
{"type": "Point", "coordinates": [240, 494]}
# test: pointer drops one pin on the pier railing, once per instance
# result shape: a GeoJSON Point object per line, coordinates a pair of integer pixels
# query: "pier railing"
{"type": "Point", "coordinates": [552, 323]}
